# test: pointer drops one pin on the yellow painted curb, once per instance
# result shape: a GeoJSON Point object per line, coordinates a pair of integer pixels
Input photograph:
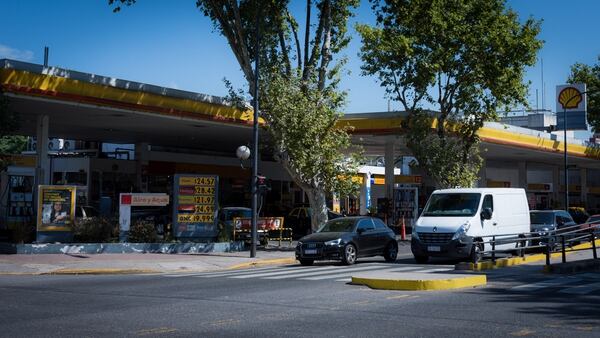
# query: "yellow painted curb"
{"type": "Point", "coordinates": [512, 261]}
{"type": "Point", "coordinates": [264, 262]}
{"type": "Point", "coordinates": [8, 273]}
{"type": "Point", "coordinates": [422, 285]}
{"type": "Point", "coordinates": [99, 271]}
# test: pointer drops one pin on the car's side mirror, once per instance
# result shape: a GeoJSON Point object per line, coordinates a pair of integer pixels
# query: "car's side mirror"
{"type": "Point", "coordinates": [486, 213]}
{"type": "Point", "coordinates": [360, 231]}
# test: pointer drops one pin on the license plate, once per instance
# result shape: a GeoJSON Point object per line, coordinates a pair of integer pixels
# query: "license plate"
{"type": "Point", "coordinates": [310, 251]}
{"type": "Point", "coordinates": [434, 248]}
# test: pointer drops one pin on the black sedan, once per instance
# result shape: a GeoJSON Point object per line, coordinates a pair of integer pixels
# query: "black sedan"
{"type": "Point", "coordinates": [346, 239]}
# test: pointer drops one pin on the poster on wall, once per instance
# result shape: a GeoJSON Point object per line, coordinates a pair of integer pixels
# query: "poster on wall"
{"type": "Point", "coordinates": [195, 206]}
{"type": "Point", "coordinates": [56, 208]}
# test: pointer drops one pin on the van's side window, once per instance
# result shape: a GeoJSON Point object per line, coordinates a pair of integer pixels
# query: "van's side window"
{"type": "Point", "coordinates": [488, 202]}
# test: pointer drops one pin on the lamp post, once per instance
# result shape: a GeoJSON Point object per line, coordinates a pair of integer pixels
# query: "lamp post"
{"type": "Point", "coordinates": [254, 187]}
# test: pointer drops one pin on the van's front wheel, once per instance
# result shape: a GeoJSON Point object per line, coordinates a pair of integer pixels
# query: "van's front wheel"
{"type": "Point", "coordinates": [476, 252]}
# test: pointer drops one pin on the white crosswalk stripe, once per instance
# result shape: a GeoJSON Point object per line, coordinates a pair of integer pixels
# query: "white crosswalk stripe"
{"type": "Point", "coordinates": [347, 270]}
{"type": "Point", "coordinates": [338, 273]}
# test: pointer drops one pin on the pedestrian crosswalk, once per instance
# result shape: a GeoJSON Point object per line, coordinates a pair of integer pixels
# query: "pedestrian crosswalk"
{"type": "Point", "coordinates": [580, 284]}
{"type": "Point", "coordinates": [339, 273]}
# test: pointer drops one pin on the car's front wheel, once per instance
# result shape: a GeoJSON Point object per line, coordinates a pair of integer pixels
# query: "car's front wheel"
{"type": "Point", "coordinates": [421, 259]}
{"type": "Point", "coordinates": [306, 261]}
{"type": "Point", "coordinates": [391, 252]}
{"type": "Point", "coordinates": [350, 254]}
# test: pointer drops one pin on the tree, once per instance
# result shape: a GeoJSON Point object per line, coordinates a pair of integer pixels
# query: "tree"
{"type": "Point", "coordinates": [590, 75]}
{"type": "Point", "coordinates": [466, 58]}
{"type": "Point", "coordinates": [304, 75]}
{"type": "Point", "coordinates": [9, 122]}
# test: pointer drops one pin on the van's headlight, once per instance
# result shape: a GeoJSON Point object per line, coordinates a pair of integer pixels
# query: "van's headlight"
{"type": "Point", "coordinates": [334, 242]}
{"type": "Point", "coordinates": [277, 223]}
{"type": "Point", "coordinates": [462, 231]}
{"type": "Point", "coordinates": [414, 233]}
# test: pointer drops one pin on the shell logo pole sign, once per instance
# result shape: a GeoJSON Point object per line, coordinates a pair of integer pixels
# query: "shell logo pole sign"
{"type": "Point", "coordinates": [572, 101]}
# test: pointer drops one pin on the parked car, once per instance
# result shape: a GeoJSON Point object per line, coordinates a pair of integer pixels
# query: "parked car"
{"type": "Point", "coordinates": [347, 239]}
{"type": "Point", "coordinates": [83, 212]}
{"type": "Point", "coordinates": [592, 222]}
{"type": "Point", "coordinates": [545, 222]}
{"type": "Point", "coordinates": [225, 219]}
{"type": "Point", "coordinates": [456, 222]}
{"type": "Point", "coordinates": [299, 220]}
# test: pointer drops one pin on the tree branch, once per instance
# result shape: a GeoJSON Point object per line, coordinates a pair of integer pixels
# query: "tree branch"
{"type": "Point", "coordinates": [293, 26]}
{"type": "Point", "coordinates": [326, 48]}
{"type": "Point", "coordinates": [308, 66]}
{"type": "Point", "coordinates": [307, 33]}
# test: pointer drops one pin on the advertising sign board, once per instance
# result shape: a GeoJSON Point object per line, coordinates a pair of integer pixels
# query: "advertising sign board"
{"type": "Point", "coordinates": [195, 206]}
{"type": "Point", "coordinates": [56, 208]}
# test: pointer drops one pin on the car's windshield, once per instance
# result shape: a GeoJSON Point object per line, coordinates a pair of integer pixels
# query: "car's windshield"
{"type": "Point", "coordinates": [338, 225]}
{"type": "Point", "coordinates": [593, 219]}
{"type": "Point", "coordinates": [231, 214]}
{"type": "Point", "coordinates": [541, 218]}
{"type": "Point", "coordinates": [453, 204]}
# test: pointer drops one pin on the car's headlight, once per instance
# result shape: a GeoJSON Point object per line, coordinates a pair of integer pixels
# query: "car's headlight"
{"type": "Point", "coordinates": [277, 223]}
{"type": "Point", "coordinates": [462, 231]}
{"type": "Point", "coordinates": [299, 244]}
{"type": "Point", "coordinates": [238, 224]}
{"type": "Point", "coordinates": [334, 242]}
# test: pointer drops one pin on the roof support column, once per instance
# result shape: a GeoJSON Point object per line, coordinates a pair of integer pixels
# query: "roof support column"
{"type": "Point", "coordinates": [141, 163]}
{"type": "Point", "coordinates": [389, 169]}
{"type": "Point", "coordinates": [42, 172]}
{"type": "Point", "coordinates": [556, 197]}
{"type": "Point", "coordinates": [523, 175]}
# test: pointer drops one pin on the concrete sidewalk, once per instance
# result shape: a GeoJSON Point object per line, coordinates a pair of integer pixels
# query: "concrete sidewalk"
{"type": "Point", "coordinates": [137, 263]}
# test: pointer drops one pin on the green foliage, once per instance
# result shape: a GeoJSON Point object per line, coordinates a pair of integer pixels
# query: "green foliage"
{"type": "Point", "coordinates": [590, 75]}
{"type": "Point", "coordinates": [95, 230]}
{"type": "Point", "coordinates": [9, 122]}
{"type": "Point", "coordinates": [308, 146]}
{"type": "Point", "coordinates": [142, 231]}
{"type": "Point", "coordinates": [466, 58]}
{"type": "Point", "coordinates": [302, 121]}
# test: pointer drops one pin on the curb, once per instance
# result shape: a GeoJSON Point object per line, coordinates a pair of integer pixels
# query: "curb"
{"type": "Point", "coordinates": [421, 284]}
{"type": "Point", "coordinates": [99, 271]}
{"type": "Point", "coordinates": [512, 261]}
{"type": "Point", "coordinates": [573, 267]}
{"type": "Point", "coordinates": [276, 261]}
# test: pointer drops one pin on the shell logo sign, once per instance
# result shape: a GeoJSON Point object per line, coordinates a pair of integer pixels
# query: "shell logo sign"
{"type": "Point", "coordinates": [569, 98]}
{"type": "Point", "coordinates": [571, 102]}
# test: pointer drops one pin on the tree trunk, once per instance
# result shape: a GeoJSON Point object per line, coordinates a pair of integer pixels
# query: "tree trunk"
{"type": "Point", "coordinates": [318, 204]}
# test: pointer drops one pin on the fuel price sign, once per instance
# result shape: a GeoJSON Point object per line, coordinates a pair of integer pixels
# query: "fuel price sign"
{"type": "Point", "coordinates": [195, 206]}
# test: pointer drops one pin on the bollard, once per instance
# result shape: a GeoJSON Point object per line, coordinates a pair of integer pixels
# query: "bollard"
{"type": "Point", "coordinates": [548, 253]}
{"type": "Point", "coordinates": [523, 244]}
{"type": "Point", "coordinates": [403, 231]}
{"type": "Point", "coordinates": [564, 255]}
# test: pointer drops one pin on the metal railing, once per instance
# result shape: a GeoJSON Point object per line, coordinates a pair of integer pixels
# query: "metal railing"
{"type": "Point", "coordinates": [548, 240]}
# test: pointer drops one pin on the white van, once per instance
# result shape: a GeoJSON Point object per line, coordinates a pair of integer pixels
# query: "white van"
{"type": "Point", "coordinates": [454, 222]}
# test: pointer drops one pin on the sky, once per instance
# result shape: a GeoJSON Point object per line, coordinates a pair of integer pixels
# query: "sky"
{"type": "Point", "coordinates": [170, 43]}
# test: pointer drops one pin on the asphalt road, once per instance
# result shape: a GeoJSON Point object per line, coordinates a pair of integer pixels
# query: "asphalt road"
{"type": "Point", "coordinates": [294, 301]}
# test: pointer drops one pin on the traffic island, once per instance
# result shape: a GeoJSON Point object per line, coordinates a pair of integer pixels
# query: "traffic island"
{"type": "Point", "coordinates": [418, 281]}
